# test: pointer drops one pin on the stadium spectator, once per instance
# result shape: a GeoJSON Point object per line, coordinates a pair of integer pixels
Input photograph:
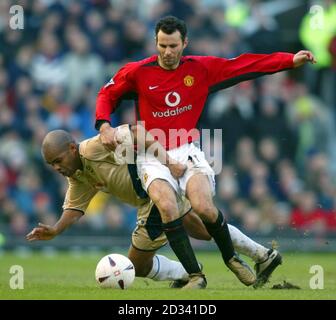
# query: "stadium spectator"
{"type": "Point", "coordinates": [78, 77]}
{"type": "Point", "coordinates": [316, 31]}
{"type": "Point", "coordinates": [307, 216]}
{"type": "Point", "coordinates": [48, 63]}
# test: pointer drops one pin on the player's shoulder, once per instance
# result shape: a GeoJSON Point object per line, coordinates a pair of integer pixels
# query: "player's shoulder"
{"type": "Point", "coordinates": [93, 149]}
{"type": "Point", "coordinates": [197, 60]}
{"type": "Point", "coordinates": [150, 61]}
{"type": "Point", "coordinates": [191, 58]}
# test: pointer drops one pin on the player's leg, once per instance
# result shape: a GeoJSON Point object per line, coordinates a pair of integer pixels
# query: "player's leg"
{"type": "Point", "coordinates": [199, 193]}
{"type": "Point", "coordinates": [164, 197]}
{"type": "Point", "coordinates": [156, 267]}
{"type": "Point", "coordinates": [196, 185]}
{"type": "Point", "coordinates": [241, 242]}
{"type": "Point", "coordinates": [147, 238]}
{"type": "Point", "coordinates": [195, 226]}
{"type": "Point", "coordinates": [142, 261]}
{"type": "Point", "coordinates": [267, 260]}
{"type": "Point", "coordinates": [246, 246]}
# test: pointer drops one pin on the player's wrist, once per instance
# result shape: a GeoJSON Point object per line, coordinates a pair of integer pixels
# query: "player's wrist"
{"type": "Point", "coordinates": [105, 126]}
{"type": "Point", "coordinates": [55, 231]}
{"type": "Point", "coordinates": [102, 125]}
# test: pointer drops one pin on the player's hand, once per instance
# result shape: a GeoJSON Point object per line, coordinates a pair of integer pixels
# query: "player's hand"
{"type": "Point", "coordinates": [42, 232]}
{"type": "Point", "coordinates": [177, 169]}
{"type": "Point", "coordinates": [108, 137]}
{"type": "Point", "coordinates": [302, 57]}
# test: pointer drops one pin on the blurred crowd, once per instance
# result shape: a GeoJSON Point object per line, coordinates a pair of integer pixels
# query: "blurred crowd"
{"type": "Point", "coordinates": [279, 153]}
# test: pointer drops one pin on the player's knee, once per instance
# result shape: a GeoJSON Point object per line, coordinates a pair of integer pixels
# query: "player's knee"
{"type": "Point", "coordinates": [168, 210]}
{"type": "Point", "coordinates": [206, 211]}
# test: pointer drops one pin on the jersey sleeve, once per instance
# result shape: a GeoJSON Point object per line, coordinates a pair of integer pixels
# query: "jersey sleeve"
{"type": "Point", "coordinates": [224, 73]}
{"type": "Point", "coordinates": [120, 85]}
{"type": "Point", "coordinates": [78, 195]}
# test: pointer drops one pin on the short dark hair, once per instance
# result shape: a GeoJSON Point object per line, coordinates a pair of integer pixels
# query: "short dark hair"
{"type": "Point", "coordinates": [170, 24]}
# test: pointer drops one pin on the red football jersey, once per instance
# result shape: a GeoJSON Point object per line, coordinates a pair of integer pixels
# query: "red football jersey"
{"type": "Point", "coordinates": [172, 100]}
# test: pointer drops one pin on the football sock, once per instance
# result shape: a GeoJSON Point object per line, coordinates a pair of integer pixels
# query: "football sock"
{"type": "Point", "coordinates": [220, 233]}
{"type": "Point", "coordinates": [180, 243]}
{"type": "Point", "coordinates": [244, 245]}
{"type": "Point", "coordinates": [166, 269]}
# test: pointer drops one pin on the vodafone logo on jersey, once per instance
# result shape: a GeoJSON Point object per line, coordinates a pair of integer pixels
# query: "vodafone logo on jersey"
{"type": "Point", "coordinates": [172, 99]}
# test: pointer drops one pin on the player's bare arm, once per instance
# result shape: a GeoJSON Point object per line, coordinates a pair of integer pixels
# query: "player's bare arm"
{"type": "Point", "coordinates": [46, 232]}
{"type": "Point", "coordinates": [191, 221]}
{"type": "Point", "coordinates": [302, 57]}
{"type": "Point", "coordinates": [143, 139]}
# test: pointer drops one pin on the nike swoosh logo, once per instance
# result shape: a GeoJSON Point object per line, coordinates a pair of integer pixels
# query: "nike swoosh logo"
{"type": "Point", "coordinates": [152, 87]}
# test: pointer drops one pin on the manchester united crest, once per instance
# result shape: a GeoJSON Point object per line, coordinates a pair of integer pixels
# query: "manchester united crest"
{"type": "Point", "coordinates": [188, 81]}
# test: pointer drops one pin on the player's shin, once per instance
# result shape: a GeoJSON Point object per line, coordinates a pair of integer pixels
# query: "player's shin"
{"type": "Point", "coordinates": [245, 245]}
{"type": "Point", "coordinates": [166, 269]}
{"type": "Point", "coordinates": [220, 233]}
{"type": "Point", "coordinates": [180, 244]}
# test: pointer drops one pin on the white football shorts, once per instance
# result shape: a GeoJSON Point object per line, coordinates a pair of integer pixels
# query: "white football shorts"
{"type": "Point", "coordinates": [149, 168]}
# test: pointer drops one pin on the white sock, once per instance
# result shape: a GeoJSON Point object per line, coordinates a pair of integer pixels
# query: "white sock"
{"type": "Point", "coordinates": [244, 245]}
{"type": "Point", "coordinates": [166, 269]}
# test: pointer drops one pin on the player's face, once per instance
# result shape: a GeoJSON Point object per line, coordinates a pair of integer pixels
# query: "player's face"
{"type": "Point", "coordinates": [64, 162]}
{"type": "Point", "coordinates": [170, 47]}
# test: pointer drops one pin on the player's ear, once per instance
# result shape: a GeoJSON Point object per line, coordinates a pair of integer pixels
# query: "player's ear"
{"type": "Point", "coordinates": [73, 147]}
{"type": "Point", "coordinates": [185, 43]}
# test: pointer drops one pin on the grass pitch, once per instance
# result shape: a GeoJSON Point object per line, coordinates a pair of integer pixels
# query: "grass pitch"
{"type": "Point", "coordinates": [64, 276]}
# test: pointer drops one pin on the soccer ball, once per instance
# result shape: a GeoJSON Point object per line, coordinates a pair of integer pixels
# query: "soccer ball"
{"type": "Point", "coordinates": [115, 271]}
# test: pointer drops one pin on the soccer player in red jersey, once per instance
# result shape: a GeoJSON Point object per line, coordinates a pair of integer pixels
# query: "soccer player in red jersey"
{"type": "Point", "coordinates": [170, 92]}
